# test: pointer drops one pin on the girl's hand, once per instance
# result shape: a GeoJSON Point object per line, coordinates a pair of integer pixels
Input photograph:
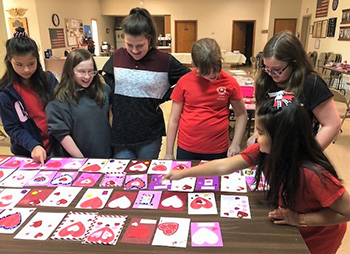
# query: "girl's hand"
{"type": "Point", "coordinates": [233, 150]}
{"type": "Point", "coordinates": [173, 175]}
{"type": "Point", "coordinates": [284, 216]}
{"type": "Point", "coordinates": [39, 154]}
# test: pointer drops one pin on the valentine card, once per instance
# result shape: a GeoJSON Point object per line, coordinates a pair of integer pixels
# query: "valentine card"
{"type": "Point", "coordinates": [161, 167]}
{"type": "Point", "coordinates": [61, 196]}
{"type": "Point", "coordinates": [5, 172]}
{"type": "Point", "coordinates": [114, 179]}
{"type": "Point", "coordinates": [138, 166]}
{"type": "Point", "coordinates": [64, 163]}
{"type": "Point", "coordinates": [35, 197]}
{"type": "Point", "coordinates": [147, 199]}
{"type": "Point", "coordinates": [115, 165]}
{"type": "Point", "coordinates": [42, 178]}
{"type": "Point", "coordinates": [94, 165]}
{"type": "Point", "coordinates": [234, 182]}
{"type": "Point", "coordinates": [10, 197]}
{"type": "Point", "coordinates": [18, 178]}
{"type": "Point", "coordinates": [157, 183]}
{"type": "Point", "coordinates": [30, 164]}
{"type": "Point", "coordinates": [234, 207]}
{"type": "Point", "coordinates": [139, 231]}
{"type": "Point", "coordinates": [63, 178]}
{"type": "Point", "coordinates": [206, 234]}
{"type": "Point", "coordinates": [94, 199]}
{"type": "Point", "coordinates": [135, 182]}
{"type": "Point", "coordinates": [15, 162]}
{"type": "Point", "coordinates": [40, 226]}
{"type": "Point", "coordinates": [4, 158]}
{"type": "Point", "coordinates": [180, 165]}
{"type": "Point", "coordinates": [207, 183]}
{"type": "Point", "coordinates": [105, 230]}
{"type": "Point", "coordinates": [121, 200]}
{"type": "Point", "coordinates": [87, 179]}
{"type": "Point", "coordinates": [74, 226]}
{"type": "Point", "coordinates": [202, 203]}
{"type": "Point", "coordinates": [173, 201]}
{"type": "Point", "coordinates": [186, 184]}
{"type": "Point", "coordinates": [12, 219]}
{"type": "Point", "coordinates": [172, 232]}
{"type": "Point", "coordinates": [249, 174]}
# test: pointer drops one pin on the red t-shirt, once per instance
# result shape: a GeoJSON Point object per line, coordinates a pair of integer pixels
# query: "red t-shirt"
{"type": "Point", "coordinates": [203, 126]}
{"type": "Point", "coordinates": [35, 110]}
{"type": "Point", "coordinates": [313, 195]}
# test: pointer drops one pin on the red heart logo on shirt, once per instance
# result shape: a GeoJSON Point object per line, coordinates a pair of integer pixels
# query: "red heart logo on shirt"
{"type": "Point", "coordinates": [199, 202]}
{"type": "Point", "coordinates": [92, 168]}
{"type": "Point", "coordinates": [92, 203]}
{"type": "Point", "coordinates": [168, 228]}
{"type": "Point", "coordinates": [76, 229]}
{"type": "Point", "coordinates": [10, 221]}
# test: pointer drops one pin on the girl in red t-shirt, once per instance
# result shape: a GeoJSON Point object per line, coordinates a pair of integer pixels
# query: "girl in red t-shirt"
{"type": "Point", "coordinates": [304, 186]}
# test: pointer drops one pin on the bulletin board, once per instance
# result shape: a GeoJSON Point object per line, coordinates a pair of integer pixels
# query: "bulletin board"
{"type": "Point", "coordinates": [74, 31]}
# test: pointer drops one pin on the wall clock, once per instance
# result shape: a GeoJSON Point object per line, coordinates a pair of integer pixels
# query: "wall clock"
{"type": "Point", "coordinates": [335, 4]}
{"type": "Point", "coordinates": [55, 19]}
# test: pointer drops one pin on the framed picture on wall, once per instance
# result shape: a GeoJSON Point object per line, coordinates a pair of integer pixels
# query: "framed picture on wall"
{"type": "Point", "coordinates": [319, 29]}
{"type": "Point", "coordinates": [18, 22]}
{"type": "Point", "coordinates": [317, 43]}
{"type": "Point", "coordinates": [332, 22]}
{"type": "Point", "coordinates": [324, 28]}
{"type": "Point", "coordinates": [314, 30]}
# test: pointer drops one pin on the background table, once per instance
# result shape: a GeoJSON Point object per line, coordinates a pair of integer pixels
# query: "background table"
{"type": "Point", "coordinates": [256, 235]}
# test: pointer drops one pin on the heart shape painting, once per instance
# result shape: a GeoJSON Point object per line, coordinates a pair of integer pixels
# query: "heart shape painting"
{"type": "Point", "coordinates": [168, 228]}
{"type": "Point", "coordinates": [103, 235]}
{"type": "Point", "coordinates": [92, 168]}
{"type": "Point", "coordinates": [63, 179]}
{"type": "Point", "coordinates": [11, 221]}
{"type": "Point", "coordinates": [199, 202]}
{"type": "Point", "coordinates": [121, 202]}
{"type": "Point", "coordinates": [138, 232]}
{"type": "Point", "coordinates": [75, 230]}
{"type": "Point", "coordinates": [89, 181]}
{"type": "Point", "coordinates": [204, 235]}
{"type": "Point", "coordinates": [173, 201]}
{"type": "Point", "coordinates": [55, 164]}
{"type": "Point", "coordinates": [93, 203]}
{"type": "Point", "coordinates": [136, 183]}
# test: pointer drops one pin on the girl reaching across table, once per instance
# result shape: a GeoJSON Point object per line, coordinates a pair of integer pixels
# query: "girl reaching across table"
{"type": "Point", "coordinates": [304, 187]}
{"type": "Point", "coordinates": [286, 66]}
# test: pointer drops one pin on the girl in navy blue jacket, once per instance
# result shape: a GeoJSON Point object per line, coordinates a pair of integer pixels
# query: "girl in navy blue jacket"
{"type": "Point", "coordinates": [24, 92]}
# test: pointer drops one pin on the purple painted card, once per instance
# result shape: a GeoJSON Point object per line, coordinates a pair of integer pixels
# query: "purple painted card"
{"type": "Point", "coordinates": [64, 163]}
{"type": "Point", "coordinates": [135, 182]}
{"type": "Point", "coordinates": [156, 183]}
{"type": "Point", "coordinates": [87, 180]}
{"type": "Point", "coordinates": [147, 200]}
{"type": "Point", "coordinates": [207, 183]}
{"type": "Point", "coordinates": [180, 165]}
{"type": "Point", "coordinates": [113, 180]}
{"type": "Point", "coordinates": [42, 178]}
{"type": "Point", "coordinates": [16, 162]}
{"type": "Point", "coordinates": [206, 234]}
{"type": "Point", "coordinates": [63, 179]}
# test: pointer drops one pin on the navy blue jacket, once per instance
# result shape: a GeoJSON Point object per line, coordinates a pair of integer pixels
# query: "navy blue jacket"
{"type": "Point", "coordinates": [18, 124]}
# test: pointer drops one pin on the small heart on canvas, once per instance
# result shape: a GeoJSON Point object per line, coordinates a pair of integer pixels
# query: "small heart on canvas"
{"type": "Point", "coordinates": [121, 202]}
{"type": "Point", "coordinates": [138, 167]}
{"type": "Point", "coordinates": [204, 235]}
{"type": "Point", "coordinates": [173, 201]}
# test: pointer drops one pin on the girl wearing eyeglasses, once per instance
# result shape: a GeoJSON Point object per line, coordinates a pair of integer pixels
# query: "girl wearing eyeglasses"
{"type": "Point", "coordinates": [78, 115]}
{"type": "Point", "coordinates": [25, 90]}
{"type": "Point", "coordinates": [286, 66]}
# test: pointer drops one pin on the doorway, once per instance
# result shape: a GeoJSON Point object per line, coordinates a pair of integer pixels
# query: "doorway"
{"type": "Point", "coordinates": [285, 25]}
{"type": "Point", "coordinates": [185, 35]}
{"type": "Point", "coordinates": [305, 28]}
{"type": "Point", "coordinates": [243, 38]}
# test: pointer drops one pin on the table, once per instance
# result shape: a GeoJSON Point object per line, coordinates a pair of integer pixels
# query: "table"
{"type": "Point", "coordinates": [229, 58]}
{"type": "Point", "coordinates": [256, 235]}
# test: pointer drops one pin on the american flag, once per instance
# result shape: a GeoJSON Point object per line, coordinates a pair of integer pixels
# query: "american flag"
{"type": "Point", "coordinates": [322, 8]}
{"type": "Point", "coordinates": [57, 38]}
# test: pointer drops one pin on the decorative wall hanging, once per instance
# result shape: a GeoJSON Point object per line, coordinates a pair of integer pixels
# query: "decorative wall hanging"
{"type": "Point", "coordinates": [18, 22]}
{"type": "Point", "coordinates": [17, 12]}
{"type": "Point", "coordinates": [332, 22]}
{"type": "Point", "coordinates": [322, 8]}
{"type": "Point", "coordinates": [57, 38]}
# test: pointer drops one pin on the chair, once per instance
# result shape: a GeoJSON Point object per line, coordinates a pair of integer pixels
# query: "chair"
{"type": "Point", "coordinates": [339, 97]}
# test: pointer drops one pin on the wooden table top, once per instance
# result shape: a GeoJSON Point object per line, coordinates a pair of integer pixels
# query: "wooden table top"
{"type": "Point", "coordinates": [256, 235]}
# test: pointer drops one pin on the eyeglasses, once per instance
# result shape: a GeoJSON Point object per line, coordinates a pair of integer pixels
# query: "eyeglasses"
{"type": "Point", "coordinates": [274, 72]}
{"type": "Point", "coordinates": [83, 73]}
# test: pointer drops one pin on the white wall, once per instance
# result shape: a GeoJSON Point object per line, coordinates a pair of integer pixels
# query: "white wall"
{"type": "Point", "coordinates": [3, 38]}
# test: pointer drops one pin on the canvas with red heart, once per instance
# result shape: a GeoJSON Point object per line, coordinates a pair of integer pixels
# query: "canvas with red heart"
{"type": "Point", "coordinates": [11, 219]}
{"type": "Point", "coordinates": [35, 197]}
{"type": "Point", "coordinates": [105, 230]}
{"type": "Point", "coordinates": [234, 182]}
{"type": "Point", "coordinates": [202, 203]}
{"type": "Point", "coordinates": [61, 196]}
{"type": "Point", "coordinates": [232, 206]}
{"type": "Point", "coordinates": [160, 167]}
{"type": "Point", "coordinates": [18, 178]}
{"type": "Point", "coordinates": [40, 226]}
{"type": "Point", "coordinates": [94, 198]}
{"type": "Point", "coordinates": [42, 178]}
{"type": "Point", "coordinates": [139, 231]}
{"type": "Point", "coordinates": [122, 200]}
{"type": "Point", "coordinates": [172, 232]}
{"type": "Point", "coordinates": [87, 179]}
{"type": "Point", "coordinates": [115, 166]}
{"type": "Point", "coordinates": [138, 166]}
{"type": "Point", "coordinates": [94, 165]}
